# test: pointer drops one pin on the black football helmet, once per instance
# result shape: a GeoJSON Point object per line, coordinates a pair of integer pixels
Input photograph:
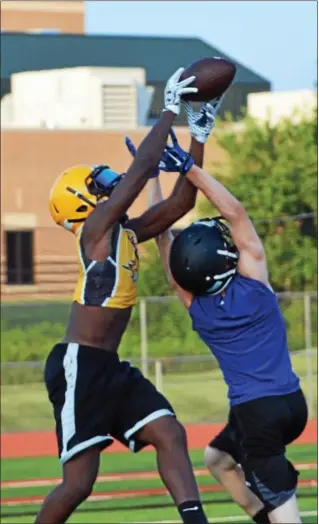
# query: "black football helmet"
{"type": "Point", "coordinates": [203, 257]}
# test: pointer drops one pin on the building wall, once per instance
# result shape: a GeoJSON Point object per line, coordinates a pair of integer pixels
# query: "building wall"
{"type": "Point", "coordinates": [235, 101]}
{"type": "Point", "coordinates": [21, 16]}
{"type": "Point", "coordinates": [295, 105]}
{"type": "Point", "coordinates": [30, 162]}
{"type": "Point", "coordinates": [79, 97]}
{"type": "Point", "coordinates": [36, 52]}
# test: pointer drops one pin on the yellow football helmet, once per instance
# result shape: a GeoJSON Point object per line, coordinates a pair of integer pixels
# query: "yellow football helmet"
{"type": "Point", "coordinates": [70, 201]}
{"type": "Point", "coordinates": [77, 191]}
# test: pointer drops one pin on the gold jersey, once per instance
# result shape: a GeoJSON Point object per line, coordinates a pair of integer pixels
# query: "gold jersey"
{"type": "Point", "coordinates": [111, 282]}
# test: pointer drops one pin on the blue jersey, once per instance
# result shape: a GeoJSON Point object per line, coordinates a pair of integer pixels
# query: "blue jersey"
{"type": "Point", "coordinates": [246, 333]}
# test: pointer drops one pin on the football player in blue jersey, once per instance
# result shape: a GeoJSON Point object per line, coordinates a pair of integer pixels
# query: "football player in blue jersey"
{"type": "Point", "coordinates": [218, 268]}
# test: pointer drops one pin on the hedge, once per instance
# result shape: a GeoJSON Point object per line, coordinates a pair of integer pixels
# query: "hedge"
{"type": "Point", "coordinates": [28, 333]}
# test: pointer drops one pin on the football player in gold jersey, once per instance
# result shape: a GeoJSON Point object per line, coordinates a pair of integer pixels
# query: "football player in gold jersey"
{"type": "Point", "coordinates": [95, 396]}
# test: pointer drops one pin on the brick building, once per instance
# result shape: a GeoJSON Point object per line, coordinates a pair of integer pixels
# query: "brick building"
{"type": "Point", "coordinates": [37, 257]}
{"type": "Point", "coordinates": [39, 15]}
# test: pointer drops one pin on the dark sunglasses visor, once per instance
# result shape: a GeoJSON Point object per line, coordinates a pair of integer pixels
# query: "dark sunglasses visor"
{"type": "Point", "coordinates": [102, 181]}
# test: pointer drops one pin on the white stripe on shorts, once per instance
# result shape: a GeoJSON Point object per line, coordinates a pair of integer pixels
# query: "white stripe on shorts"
{"type": "Point", "coordinates": [82, 446]}
{"type": "Point", "coordinates": [153, 416]}
{"type": "Point", "coordinates": [70, 364]}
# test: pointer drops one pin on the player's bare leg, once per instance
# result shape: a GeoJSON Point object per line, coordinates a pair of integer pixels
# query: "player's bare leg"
{"type": "Point", "coordinates": [168, 437]}
{"type": "Point", "coordinates": [229, 474]}
{"type": "Point", "coordinates": [287, 512]}
{"type": "Point", "coordinates": [79, 475]}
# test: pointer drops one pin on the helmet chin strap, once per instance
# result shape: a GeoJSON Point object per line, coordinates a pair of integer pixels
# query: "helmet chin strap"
{"type": "Point", "coordinates": [225, 284]}
{"type": "Point", "coordinates": [229, 273]}
{"type": "Point", "coordinates": [74, 226]}
{"type": "Point", "coordinates": [82, 197]}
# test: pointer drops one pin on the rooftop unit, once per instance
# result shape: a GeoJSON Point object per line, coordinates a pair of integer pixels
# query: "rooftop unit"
{"type": "Point", "coordinates": [80, 97]}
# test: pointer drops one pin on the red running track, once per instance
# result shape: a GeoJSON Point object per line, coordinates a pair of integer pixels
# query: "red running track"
{"type": "Point", "coordinates": [43, 444]}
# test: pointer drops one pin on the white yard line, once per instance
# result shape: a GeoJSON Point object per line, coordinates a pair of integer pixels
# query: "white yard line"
{"type": "Point", "coordinates": [233, 518]}
{"type": "Point", "coordinates": [22, 501]}
{"type": "Point", "coordinates": [119, 477]}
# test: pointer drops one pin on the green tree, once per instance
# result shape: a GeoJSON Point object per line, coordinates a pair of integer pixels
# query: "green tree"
{"type": "Point", "coordinates": [272, 170]}
{"type": "Point", "coordinates": [152, 278]}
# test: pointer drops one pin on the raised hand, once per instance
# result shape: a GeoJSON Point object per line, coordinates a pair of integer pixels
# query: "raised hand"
{"type": "Point", "coordinates": [202, 122]}
{"type": "Point", "coordinates": [132, 149]}
{"type": "Point", "coordinates": [175, 159]}
{"type": "Point", "coordinates": [175, 89]}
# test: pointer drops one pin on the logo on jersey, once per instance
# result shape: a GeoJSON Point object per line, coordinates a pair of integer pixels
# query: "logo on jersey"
{"type": "Point", "coordinates": [132, 267]}
{"type": "Point", "coordinates": [134, 244]}
{"type": "Point", "coordinates": [133, 264]}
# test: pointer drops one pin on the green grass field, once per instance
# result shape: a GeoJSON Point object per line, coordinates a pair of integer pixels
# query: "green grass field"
{"type": "Point", "coordinates": [140, 508]}
{"type": "Point", "coordinates": [196, 396]}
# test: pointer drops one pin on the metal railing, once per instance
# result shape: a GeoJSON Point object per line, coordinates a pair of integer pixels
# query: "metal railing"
{"type": "Point", "coordinates": [194, 386]}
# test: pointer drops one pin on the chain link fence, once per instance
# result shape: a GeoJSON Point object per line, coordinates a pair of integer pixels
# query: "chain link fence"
{"type": "Point", "coordinates": [160, 340]}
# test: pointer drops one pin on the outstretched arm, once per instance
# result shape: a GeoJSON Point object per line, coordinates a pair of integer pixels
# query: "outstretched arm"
{"type": "Point", "coordinates": [148, 155]}
{"type": "Point", "coordinates": [162, 215]}
{"type": "Point", "coordinates": [164, 242]}
{"type": "Point", "coordinates": [252, 260]}
{"type": "Point", "coordinates": [147, 158]}
{"type": "Point", "coordinates": [165, 239]}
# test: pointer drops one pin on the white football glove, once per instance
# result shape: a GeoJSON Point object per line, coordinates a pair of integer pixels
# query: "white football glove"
{"type": "Point", "coordinates": [202, 122]}
{"type": "Point", "coordinates": [175, 89]}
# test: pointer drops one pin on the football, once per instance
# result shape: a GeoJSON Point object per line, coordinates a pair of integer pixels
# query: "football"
{"type": "Point", "coordinates": [213, 77]}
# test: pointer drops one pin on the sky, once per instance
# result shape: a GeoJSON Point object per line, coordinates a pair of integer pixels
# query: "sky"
{"type": "Point", "coordinates": [276, 39]}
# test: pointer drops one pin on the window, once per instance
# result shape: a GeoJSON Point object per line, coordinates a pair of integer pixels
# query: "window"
{"type": "Point", "coordinates": [19, 249]}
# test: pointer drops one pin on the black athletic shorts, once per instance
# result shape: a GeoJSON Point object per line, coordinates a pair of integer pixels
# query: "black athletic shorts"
{"type": "Point", "coordinates": [256, 436]}
{"type": "Point", "coordinates": [228, 440]}
{"type": "Point", "coordinates": [267, 425]}
{"type": "Point", "coordinates": [263, 427]}
{"type": "Point", "coordinates": [97, 398]}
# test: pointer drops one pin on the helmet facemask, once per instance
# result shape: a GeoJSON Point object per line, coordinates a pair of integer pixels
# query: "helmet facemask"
{"type": "Point", "coordinates": [100, 184]}
{"type": "Point", "coordinates": [102, 181]}
{"type": "Point", "coordinates": [83, 208]}
{"type": "Point", "coordinates": [203, 257]}
{"type": "Point", "coordinates": [230, 253]}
